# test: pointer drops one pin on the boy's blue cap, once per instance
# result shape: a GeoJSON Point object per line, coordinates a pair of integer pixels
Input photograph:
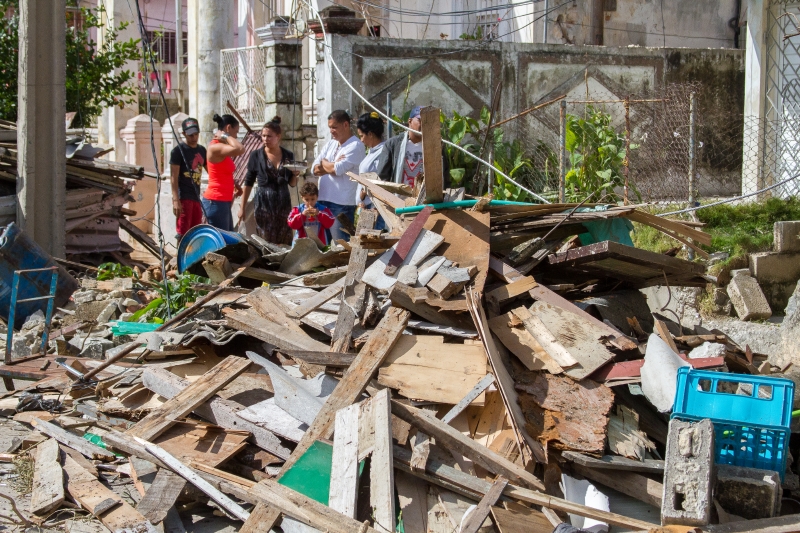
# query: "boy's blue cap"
{"type": "Point", "coordinates": [415, 113]}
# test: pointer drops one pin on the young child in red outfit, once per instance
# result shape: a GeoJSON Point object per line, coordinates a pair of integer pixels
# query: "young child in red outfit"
{"type": "Point", "coordinates": [308, 220]}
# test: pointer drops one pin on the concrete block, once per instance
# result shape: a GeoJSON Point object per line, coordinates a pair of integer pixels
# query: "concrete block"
{"type": "Point", "coordinates": [740, 272]}
{"type": "Point", "coordinates": [787, 236]}
{"type": "Point", "coordinates": [771, 267]}
{"type": "Point", "coordinates": [408, 274]}
{"type": "Point", "coordinates": [689, 474]}
{"type": "Point", "coordinates": [748, 492]}
{"type": "Point", "coordinates": [748, 299]}
{"type": "Point", "coordinates": [89, 311]}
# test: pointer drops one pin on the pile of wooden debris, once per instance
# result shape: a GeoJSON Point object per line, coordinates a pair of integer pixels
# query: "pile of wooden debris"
{"type": "Point", "coordinates": [97, 200]}
{"type": "Point", "coordinates": [471, 369]}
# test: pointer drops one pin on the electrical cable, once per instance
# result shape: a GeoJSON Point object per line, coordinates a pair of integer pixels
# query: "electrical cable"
{"type": "Point", "coordinates": [405, 127]}
{"type": "Point", "coordinates": [146, 46]}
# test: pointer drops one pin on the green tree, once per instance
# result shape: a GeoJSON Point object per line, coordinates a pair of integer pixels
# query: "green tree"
{"type": "Point", "coordinates": [94, 80]}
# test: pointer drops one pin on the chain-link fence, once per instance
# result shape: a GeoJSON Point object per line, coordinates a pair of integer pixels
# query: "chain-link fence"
{"type": "Point", "coordinates": [669, 148]}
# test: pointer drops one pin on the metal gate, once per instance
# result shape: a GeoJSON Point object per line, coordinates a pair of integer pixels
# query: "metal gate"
{"type": "Point", "coordinates": [243, 82]}
{"type": "Point", "coordinates": [781, 129]}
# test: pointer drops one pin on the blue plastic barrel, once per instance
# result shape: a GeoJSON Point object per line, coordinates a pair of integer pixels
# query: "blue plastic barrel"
{"type": "Point", "coordinates": [202, 239]}
{"type": "Point", "coordinates": [18, 252]}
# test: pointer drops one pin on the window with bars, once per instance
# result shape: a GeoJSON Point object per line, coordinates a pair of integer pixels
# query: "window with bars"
{"type": "Point", "coordinates": [488, 23]}
{"type": "Point", "coordinates": [165, 48]}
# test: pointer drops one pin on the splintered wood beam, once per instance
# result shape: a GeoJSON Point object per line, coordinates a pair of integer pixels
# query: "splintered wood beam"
{"type": "Point", "coordinates": [407, 240]}
{"type": "Point", "coordinates": [318, 300]}
{"type": "Point", "coordinates": [382, 468]}
{"type": "Point", "coordinates": [114, 512]}
{"type": "Point", "coordinates": [161, 496]}
{"type": "Point", "coordinates": [344, 465]}
{"type": "Point", "coordinates": [262, 519]}
{"type": "Point", "coordinates": [189, 475]}
{"type": "Point", "coordinates": [63, 436]}
{"type": "Point", "coordinates": [189, 399]}
{"type": "Point", "coordinates": [305, 510]}
{"type": "Point", "coordinates": [354, 289]}
{"type": "Point", "coordinates": [432, 155]}
{"type": "Point", "coordinates": [355, 380]}
{"type": "Point", "coordinates": [48, 479]}
{"type": "Point", "coordinates": [455, 440]}
{"type": "Point", "coordinates": [475, 519]}
{"type": "Point", "coordinates": [475, 488]}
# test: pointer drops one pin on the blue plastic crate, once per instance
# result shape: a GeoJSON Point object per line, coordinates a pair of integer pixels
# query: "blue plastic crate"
{"type": "Point", "coordinates": [751, 429]}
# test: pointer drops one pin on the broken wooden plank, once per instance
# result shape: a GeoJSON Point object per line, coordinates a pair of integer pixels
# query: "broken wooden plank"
{"type": "Point", "coordinates": [455, 440]}
{"type": "Point", "coordinates": [475, 519]}
{"type": "Point", "coordinates": [666, 336]}
{"type": "Point", "coordinates": [521, 520]}
{"type": "Point", "coordinates": [262, 519]}
{"type": "Point", "coordinates": [355, 380]}
{"type": "Point", "coordinates": [160, 497]}
{"type": "Point", "coordinates": [217, 267]}
{"type": "Point", "coordinates": [344, 464]}
{"type": "Point", "coordinates": [633, 484]}
{"type": "Point", "coordinates": [466, 239]}
{"type": "Point", "coordinates": [448, 281]}
{"type": "Point", "coordinates": [189, 399]}
{"type": "Point", "coordinates": [114, 512]}
{"type": "Point", "coordinates": [216, 410]}
{"type": "Point", "coordinates": [515, 337]}
{"type": "Point", "coordinates": [285, 338]}
{"type": "Point", "coordinates": [47, 492]}
{"type": "Point", "coordinates": [269, 307]}
{"type": "Point", "coordinates": [189, 475]}
{"type": "Point", "coordinates": [63, 436]}
{"type": "Point", "coordinates": [470, 397]}
{"type": "Point", "coordinates": [415, 300]}
{"type": "Point", "coordinates": [412, 495]}
{"type": "Point", "coordinates": [422, 367]}
{"type": "Point", "coordinates": [578, 336]}
{"type": "Point", "coordinates": [376, 190]}
{"type": "Point", "coordinates": [306, 510]}
{"type": "Point", "coordinates": [473, 487]}
{"type": "Point", "coordinates": [508, 292]}
{"type": "Point", "coordinates": [544, 338]}
{"type": "Point", "coordinates": [381, 467]}
{"type": "Point", "coordinates": [505, 383]}
{"type": "Point", "coordinates": [542, 293]}
{"type": "Point", "coordinates": [613, 462]}
{"type": "Point", "coordinates": [403, 247]}
{"type": "Point", "coordinates": [354, 290]}
{"type": "Point", "coordinates": [333, 359]}
{"type": "Point", "coordinates": [432, 154]}
{"type": "Point", "coordinates": [319, 299]}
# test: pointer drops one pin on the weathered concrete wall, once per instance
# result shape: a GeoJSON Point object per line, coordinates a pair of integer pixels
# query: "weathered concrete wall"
{"type": "Point", "coordinates": [461, 76]}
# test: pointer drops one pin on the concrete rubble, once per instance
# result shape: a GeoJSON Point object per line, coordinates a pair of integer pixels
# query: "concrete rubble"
{"type": "Point", "coordinates": [407, 378]}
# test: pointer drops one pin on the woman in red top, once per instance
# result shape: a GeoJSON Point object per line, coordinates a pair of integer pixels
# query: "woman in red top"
{"type": "Point", "coordinates": [218, 198]}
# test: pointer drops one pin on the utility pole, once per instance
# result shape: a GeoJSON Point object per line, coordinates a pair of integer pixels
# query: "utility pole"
{"type": "Point", "coordinates": [41, 136]}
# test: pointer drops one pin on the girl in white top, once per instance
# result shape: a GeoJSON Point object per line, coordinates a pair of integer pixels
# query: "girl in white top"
{"type": "Point", "coordinates": [370, 131]}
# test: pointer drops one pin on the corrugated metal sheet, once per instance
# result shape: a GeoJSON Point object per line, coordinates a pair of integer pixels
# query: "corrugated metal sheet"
{"type": "Point", "coordinates": [252, 142]}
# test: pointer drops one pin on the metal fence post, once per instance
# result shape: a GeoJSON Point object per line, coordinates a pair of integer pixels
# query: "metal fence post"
{"type": "Point", "coordinates": [562, 151]}
{"type": "Point", "coordinates": [389, 112]}
{"type": "Point", "coordinates": [692, 155]}
{"type": "Point", "coordinates": [692, 148]}
{"type": "Point", "coordinates": [627, 161]}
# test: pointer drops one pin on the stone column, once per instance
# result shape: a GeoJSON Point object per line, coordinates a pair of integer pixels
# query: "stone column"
{"type": "Point", "coordinates": [210, 30]}
{"type": "Point", "coordinates": [283, 83]}
{"type": "Point", "coordinates": [41, 104]}
{"type": "Point", "coordinates": [138, 151]}
{"type": "Point", "coordinates": [115, 118]}
{"type": "Point", "coordinates": [755, 77]}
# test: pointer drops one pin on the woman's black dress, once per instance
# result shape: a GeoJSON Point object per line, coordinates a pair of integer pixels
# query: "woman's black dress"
{"type": "Point", "coordinates": [272, 201]}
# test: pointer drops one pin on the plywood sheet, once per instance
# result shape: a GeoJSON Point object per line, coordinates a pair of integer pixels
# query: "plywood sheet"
{"type": "Point", "coordinates": [466, 239]}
